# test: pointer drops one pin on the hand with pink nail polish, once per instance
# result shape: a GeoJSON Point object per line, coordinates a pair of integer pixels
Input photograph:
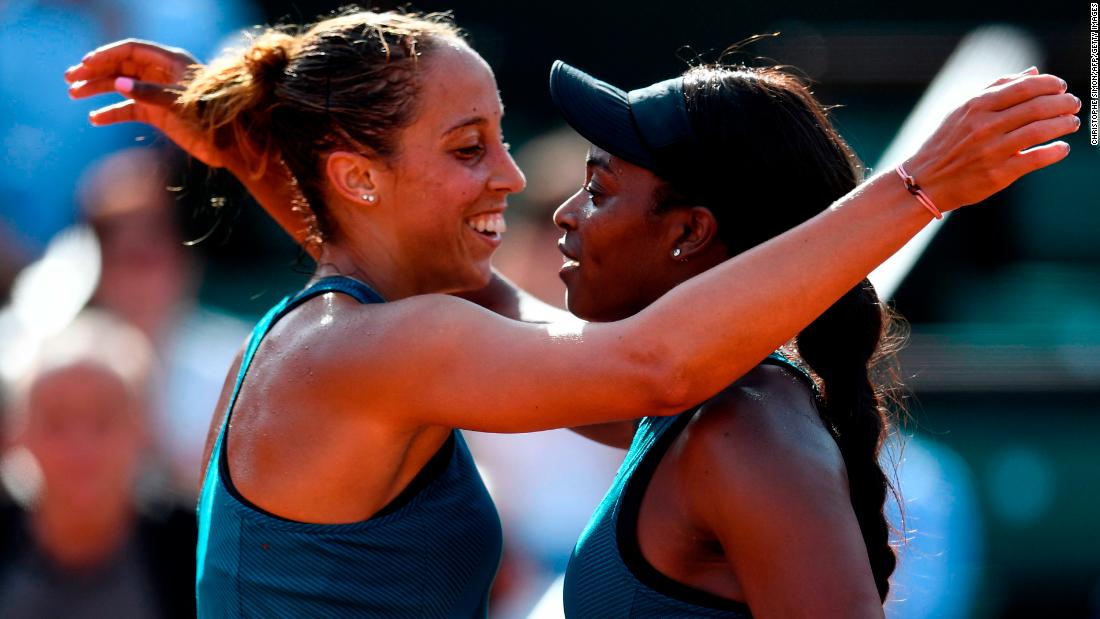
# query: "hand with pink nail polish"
{"type": "Point", "coordinates": [150, 76]}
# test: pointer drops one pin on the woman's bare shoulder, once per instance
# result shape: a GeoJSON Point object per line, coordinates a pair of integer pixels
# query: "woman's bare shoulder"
{"type": "Point", "coordinates": [763, 430]}
{"type": "Point", "coordinates": [331, 344]}
{"type": "Point", "coordinates": [333, 323]}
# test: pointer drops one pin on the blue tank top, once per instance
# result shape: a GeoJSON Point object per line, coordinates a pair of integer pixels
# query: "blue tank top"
{"type": "Point", "coordinates": [607, 576]}
{"type": "Point", "coordinates": [432, 552]}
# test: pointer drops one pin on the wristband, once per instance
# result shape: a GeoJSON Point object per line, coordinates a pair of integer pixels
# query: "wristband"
{"type": "Point", "coordinates": [912, 187]}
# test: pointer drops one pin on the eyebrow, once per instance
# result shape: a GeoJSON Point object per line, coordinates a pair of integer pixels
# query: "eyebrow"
{"type": "Point", "coordinates": [604, 163]}
{"type": "Point", "coordinates": [473, 120]}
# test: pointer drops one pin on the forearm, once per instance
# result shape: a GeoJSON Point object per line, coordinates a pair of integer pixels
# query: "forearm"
{"type": "Point", "coordinates": [763, 297]}
{"type": "Point", "coordinates": [277, 193]}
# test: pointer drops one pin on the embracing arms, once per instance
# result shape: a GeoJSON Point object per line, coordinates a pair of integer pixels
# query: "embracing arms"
{"type": "Point", "coordinates": [487, 372]}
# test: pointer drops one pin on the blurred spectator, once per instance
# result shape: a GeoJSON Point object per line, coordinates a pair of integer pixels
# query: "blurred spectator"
{"type": "Point", "coordinates": [45, 138]}
{"type": "Point", "coordinates": [150, 278]}
{"type": "Point", "coordinates": [75, 544]}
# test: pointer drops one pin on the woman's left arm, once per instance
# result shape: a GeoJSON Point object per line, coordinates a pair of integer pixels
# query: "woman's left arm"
{"type": "Point", "coordinates": [770, 484]}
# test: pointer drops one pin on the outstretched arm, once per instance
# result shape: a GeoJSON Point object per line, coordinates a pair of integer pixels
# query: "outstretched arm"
{"type": "Point", "coordinates": [495, 374]}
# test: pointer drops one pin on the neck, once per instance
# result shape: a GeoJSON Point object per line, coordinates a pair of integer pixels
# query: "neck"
{"type": "Point", "coordinates": [382, 272]}
{"type": "Point", "coordinates": [80, 538]}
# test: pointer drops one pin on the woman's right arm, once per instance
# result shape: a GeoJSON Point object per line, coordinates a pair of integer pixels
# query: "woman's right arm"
{"type": "Point", "coordinates": [441, 360]}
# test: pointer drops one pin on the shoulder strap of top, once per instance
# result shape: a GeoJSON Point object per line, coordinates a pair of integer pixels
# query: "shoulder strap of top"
{"type": "Point", "coordinates": [778, 358]}
{"type": "Point", "coordinates": [336, 283]}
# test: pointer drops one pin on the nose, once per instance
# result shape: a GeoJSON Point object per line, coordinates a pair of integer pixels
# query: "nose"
{"type": "Point", "coordinates": [508, 177]}
{"type": "Point", "coordinates": [565, 217]}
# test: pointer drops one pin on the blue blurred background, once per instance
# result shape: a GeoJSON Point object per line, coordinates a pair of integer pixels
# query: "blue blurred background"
{"type": "Point", "coordinates": [997, 465]}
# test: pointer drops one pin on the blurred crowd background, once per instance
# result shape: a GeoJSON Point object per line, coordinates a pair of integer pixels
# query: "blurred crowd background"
{"type": "Point", "coordinates": [130, 275]}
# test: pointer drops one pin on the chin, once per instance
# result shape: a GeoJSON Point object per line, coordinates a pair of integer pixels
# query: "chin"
{"type": "Point", "coordinates": [599, 307]}
{"type": "Point", "coordinates": [582, 308]}
{"type": "Point", "coordinates": [476, 278]}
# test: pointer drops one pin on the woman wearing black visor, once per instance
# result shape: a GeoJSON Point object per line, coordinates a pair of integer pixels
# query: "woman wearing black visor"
{"type": "Point", "coordinates": [641, 227]}
{"type": "Point", "coordinates": [767, 499]}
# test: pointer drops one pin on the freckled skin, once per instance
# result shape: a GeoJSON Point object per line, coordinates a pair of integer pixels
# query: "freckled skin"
{"type": "Point", "coordinates": [441, 176]}
{"type": "Point", "coordinates": [414, 240]}
{"type": "Point", "coordinates": [369, 403]}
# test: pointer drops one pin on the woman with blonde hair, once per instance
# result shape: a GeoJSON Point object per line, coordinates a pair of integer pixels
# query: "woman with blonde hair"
{"type": "Point", "coordinates": [337, 482]}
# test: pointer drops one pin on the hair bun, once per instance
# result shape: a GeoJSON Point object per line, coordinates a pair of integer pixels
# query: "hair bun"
{"type": "Point", "coordinates": [269, 55]}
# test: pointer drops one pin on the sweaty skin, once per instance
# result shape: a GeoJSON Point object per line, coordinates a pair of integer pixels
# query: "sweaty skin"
{"type": "Point", "coordinates": [661, 360]}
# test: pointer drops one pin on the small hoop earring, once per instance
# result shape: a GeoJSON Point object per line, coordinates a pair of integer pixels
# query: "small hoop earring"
{"type": "Point", "coordinates": [676, 253]}
{"type": "Point", "coordinates": [370, 198]}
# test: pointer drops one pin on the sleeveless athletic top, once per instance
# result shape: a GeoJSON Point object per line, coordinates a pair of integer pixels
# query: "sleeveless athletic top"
{"type": "Point", "coordinates": [607, 576]}
{"type": "Point", "coordinates": [432, 552]}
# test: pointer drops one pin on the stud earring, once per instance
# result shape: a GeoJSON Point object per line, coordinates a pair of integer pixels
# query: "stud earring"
{"type": "Point", "coordinates": [676, 253]}
{"type": "Point", "coordinates": [370, 198]}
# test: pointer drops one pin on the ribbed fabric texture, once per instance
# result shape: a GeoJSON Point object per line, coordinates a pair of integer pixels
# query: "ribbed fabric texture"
{"type": "Point", "coordinates": [432, 557]}
{"type": "Point", "coordinates": [598, 582]}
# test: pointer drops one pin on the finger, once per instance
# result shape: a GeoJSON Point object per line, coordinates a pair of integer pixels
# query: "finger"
{"type": "Point", "coordinates": [1039, 108]}
{"type": "Point", "coordinates": [82, 89]}
{"type": "Point", "coordinates": [1016, 92]}
{"type": "Point", "coordinates": [1014, 76]}
{"type": "Point", "coordinates": [1035, 159]}
{"type": "Point", "coordinates": [1040, 131]}
{"type": "Point", "coordinates": [121, 112]}
{"type": "Point", "coordinates": [114, 58]}
{"type": "Point", "coordinates": [147, 92]}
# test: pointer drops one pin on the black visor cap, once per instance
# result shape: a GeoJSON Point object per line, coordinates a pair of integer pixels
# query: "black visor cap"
{"type": "Point", "coordinates": [648, 127]}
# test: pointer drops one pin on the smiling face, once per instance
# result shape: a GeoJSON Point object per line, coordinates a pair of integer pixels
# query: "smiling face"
{"type": "Point", "coordinates": [441, 198]}
{"type": "Point", "coordinates": [617, 245]}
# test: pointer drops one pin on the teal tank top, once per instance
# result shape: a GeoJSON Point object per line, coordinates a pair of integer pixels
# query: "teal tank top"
{"type": "Point", "coordinates": [431, 553]}
{"type": "Point", "coordinates": [607, 576]}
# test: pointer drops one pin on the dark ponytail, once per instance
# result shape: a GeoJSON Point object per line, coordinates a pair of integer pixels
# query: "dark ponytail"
{"type": "Point", "coordinates": [842, 347]}
{"type": "Point", "coordinates": [771, 159]}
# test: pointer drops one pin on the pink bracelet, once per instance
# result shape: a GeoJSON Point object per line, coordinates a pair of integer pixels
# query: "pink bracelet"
{"type": "Point", "coordinates": [912, 187]}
